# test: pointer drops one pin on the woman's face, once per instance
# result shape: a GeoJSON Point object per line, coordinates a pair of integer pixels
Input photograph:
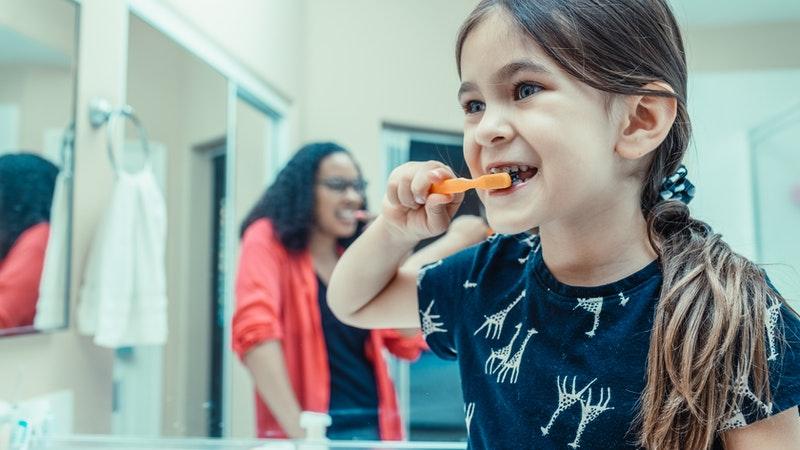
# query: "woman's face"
{"type": "Point", "coordinates": [339, 194]}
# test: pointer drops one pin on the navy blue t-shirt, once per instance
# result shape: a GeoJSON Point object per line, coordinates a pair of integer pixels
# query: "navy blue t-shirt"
{"type": "Point", "coordinates": [545, 365]}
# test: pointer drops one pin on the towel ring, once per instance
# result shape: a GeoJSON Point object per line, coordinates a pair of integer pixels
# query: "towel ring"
{"type": "Point", "coordinates": [101, 113]}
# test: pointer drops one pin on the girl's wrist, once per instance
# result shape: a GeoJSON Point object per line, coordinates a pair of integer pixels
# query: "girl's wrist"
{"type": "Point", "coordinates": [393, 239]}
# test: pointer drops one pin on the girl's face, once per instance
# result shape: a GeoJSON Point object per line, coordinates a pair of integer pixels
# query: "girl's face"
{"type": "Point", "coordinates": [339, 194]}
{"type": "Point", "coordinates": [525, 114]}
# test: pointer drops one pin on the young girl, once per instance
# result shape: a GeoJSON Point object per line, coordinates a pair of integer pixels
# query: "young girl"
{"type": "Point", "coordinates": [624, 323]}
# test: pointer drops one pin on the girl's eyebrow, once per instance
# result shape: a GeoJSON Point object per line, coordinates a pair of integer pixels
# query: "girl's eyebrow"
{"type": "Point", "coordinates": [506, 72]}
{"type": "Point", "coordinates": [467, 86]}
{"type": "Point", "coordinates": [520, 65]}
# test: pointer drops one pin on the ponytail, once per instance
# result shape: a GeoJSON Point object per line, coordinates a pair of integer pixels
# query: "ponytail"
{"type": "Point", "coordinates": [708, 344]}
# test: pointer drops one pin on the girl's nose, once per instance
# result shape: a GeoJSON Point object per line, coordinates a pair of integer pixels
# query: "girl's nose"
{"type": "Point", "coordinates": [494, 128]}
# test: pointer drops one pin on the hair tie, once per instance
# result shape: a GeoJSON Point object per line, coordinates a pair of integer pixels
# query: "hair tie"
{"type": "Point", "coordinates": [677, 186]}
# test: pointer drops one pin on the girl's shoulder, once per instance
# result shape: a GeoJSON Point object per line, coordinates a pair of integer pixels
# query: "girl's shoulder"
{"type": "Point", "coordinates": [503, 255]}
{"type": "Point", "coordinates": [495, 249]}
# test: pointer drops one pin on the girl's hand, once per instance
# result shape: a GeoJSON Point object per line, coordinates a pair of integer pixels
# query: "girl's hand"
{"type": "Point", "coordinates": [410, 212]}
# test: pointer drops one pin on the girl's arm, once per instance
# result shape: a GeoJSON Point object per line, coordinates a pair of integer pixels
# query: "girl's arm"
{"type": "Point", "coordinates": [779, 432]}
{"type": "Point", "coordinates": [369, 288]}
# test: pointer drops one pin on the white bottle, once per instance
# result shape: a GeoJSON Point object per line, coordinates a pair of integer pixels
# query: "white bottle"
{"type": "Point", "coordinates": [316, 424]}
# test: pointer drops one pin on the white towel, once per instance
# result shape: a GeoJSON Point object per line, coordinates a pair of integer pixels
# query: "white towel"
{"type": "Point", "coordinates": [51, 306]}
{"type": "Point", "coordinates": [123, 299]}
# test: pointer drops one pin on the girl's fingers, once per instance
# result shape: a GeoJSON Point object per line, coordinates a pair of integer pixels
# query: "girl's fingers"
{"type": "Point", "coordinates": [422, 181]}
{"type": "Point", "coordinates": [405, 195]}
{"type": "Point", "coordinates": [391, 195]}
{"type": "Point", "coordinates": [437, 211]}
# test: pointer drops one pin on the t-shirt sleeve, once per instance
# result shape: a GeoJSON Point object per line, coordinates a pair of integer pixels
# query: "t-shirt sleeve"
{"type": "Point", "coordinates": [438, 287]}
{"type": "Point", "coordinates": [783, 350]}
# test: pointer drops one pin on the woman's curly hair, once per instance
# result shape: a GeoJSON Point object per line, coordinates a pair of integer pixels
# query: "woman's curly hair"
{"type": "Point", "coordinates": [289, 202]}
{"type": "Point", "coordinates": [27, 182]}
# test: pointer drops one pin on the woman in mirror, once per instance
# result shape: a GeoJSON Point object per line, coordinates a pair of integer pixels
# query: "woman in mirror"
{"type": "Point", "coordinates": [299, 355]}
{"type": "Point", "coordinates": [27, 182]}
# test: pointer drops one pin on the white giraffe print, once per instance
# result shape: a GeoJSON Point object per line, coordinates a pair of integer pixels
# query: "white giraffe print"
{"type": "Point", "coordinates": [736, 420]}
{"type": "Point", "coordinates": [469, 284]}
{"type": "Point", "coordinates": [424, 270]}
{"type": "Point", "coordinates": [524, 260]}
{"type": "Point", "coordinates": [594, 306]}
{"type": "Point", "coordinates": [494, 323]}
{"type": "Point", "coordinates": [500, 355]}
{"type": "Point", "coordinates": [623, 300]}
{"type": "Point", "coordinates": [771, 316]}
{"type": "Point", "coordinates": [492, 237]}
{"type": "Point", "coordinates": [529, 240]}
{"type": "Point", "coordinates": [512, 365]}
{"type": "Point", "coordinates": [565, 400]}
{"type": "Point", "coordinates": [590, 412]}
{"type": "Point", "coordinates": [429, 324]}
{"type": "Point", "coordinates": [469, 411]}
{"type": "Point", "coordinates": [741, 387]}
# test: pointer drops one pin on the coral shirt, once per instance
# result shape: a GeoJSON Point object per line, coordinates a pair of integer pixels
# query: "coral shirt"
{"type": "Point", "coordinates": [20, 272]}
{"type": "Point", "coordinates": [276, 298]}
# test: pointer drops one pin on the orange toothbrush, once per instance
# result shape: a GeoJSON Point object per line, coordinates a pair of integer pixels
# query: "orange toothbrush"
{"type": "Point", "coordinates": [457, 185]}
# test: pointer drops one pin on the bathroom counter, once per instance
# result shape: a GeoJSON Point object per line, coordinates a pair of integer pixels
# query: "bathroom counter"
{"type": "Point", "coordinates": [80, 442]}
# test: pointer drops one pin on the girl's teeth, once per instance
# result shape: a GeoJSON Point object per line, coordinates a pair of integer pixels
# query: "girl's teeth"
{"type": "Point", "coordinates": [493, 170]}
{"type": "Point", "coordinates": [514, 168]}
{"type": "Point", "coordinates": [523, 168]}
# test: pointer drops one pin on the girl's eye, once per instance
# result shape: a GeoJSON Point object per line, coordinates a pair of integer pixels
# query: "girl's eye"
{"type": "Point", "coordinates": [473, 107]}
{"type": "Point", "coordinates": [524, 90]}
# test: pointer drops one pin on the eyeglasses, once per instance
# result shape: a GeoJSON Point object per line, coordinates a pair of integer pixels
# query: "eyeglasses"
{"type": "Point", "coordinates": [342, 184]}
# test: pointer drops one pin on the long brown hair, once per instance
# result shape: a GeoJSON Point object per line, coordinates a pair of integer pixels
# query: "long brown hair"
{"type": "Point", "coordinates": [709, 329]}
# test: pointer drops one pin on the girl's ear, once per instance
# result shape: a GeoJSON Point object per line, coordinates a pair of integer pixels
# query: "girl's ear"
{"type": "Point", "coordinates": [646, 120]}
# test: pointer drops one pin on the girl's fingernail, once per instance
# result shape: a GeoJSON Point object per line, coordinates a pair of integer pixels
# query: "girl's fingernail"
{"type": "Point", "coordinates": [420, 199]}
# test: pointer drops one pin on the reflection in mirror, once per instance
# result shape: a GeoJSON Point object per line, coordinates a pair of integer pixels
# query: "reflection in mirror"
{"type": "Point", "coordinates": [254, 133]}
{"type": "Point", "coordinates": [169, 390]}
{"type": "Point", "coordinates": [38, 41]}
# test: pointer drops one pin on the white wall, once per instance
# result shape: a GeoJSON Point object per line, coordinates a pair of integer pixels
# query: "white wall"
{"type": "Point", "coordinates": [47, 22]}
{"type": "Point", "coordinates": [371, 62]}
{"type": "Point", "coordinates": [725, 107]}
{"type": "Point", "coordinates": [763, 46]}
{"type": "Point", "coordinates": [44, 97]}
{"type": "Point", "coordinates": [266, 36]}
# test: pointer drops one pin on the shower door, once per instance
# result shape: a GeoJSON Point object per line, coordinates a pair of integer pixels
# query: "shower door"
{"type": "Point", "coordinates": [775, 148]}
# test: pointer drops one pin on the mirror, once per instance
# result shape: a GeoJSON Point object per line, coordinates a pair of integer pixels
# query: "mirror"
{"type": "Point", "coordinates": [344, 98]}
{"type": "Point", "coordinates": [182, 102]}
{"type": "Point", "coordinates": [38, 51]}
{"type": "Point", "coordinates": [387, 94]}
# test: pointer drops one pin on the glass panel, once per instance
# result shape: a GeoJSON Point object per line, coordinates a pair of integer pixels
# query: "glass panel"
{"type": "Point", "coordinates": [182, 102]}
{"type": "Point", "coordinates": [38, 48]}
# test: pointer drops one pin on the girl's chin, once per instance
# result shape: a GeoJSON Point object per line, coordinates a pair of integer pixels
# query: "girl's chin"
{"type": "Point", "coordinates": [508, 222]}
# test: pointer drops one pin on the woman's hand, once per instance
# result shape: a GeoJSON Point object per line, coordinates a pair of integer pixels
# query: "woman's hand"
{"type": "Point", "coordinates": [410, 212]}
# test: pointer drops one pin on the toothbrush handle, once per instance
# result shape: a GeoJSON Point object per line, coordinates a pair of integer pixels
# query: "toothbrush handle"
{"type": "Point", "coordinates": [452, 186]}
